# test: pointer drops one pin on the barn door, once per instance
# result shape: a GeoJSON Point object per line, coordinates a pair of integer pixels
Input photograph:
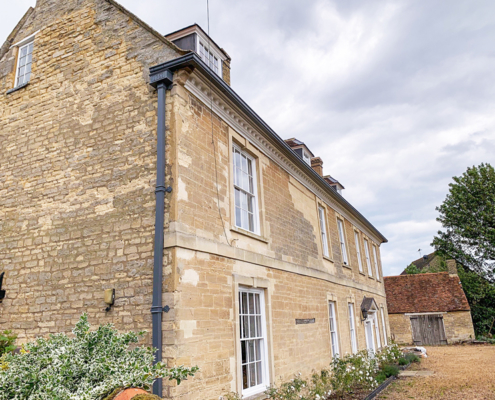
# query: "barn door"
{"type": "Point", "coordinates": [416, 331]}
{"type": "Point", "coordinates": [428, 330]}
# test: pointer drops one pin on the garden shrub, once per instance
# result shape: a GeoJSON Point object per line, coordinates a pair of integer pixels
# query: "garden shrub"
{"type": "Point", "coordinates": [346, 374]}
{"type": "Point", "coordinates": [380, 378]}
{"type": "Point", "coordinates": [403, 361]}
{"type": "Point", "coordinates": [353, 370]}
{"type": "Point", "coordinates": [390, 370]}
{"type": "Point", "coordinates": [7, 342]}
{"type": "Point", "coordinates": [88, 366]}
{"type": "Point", "coordinates": [412, 358]}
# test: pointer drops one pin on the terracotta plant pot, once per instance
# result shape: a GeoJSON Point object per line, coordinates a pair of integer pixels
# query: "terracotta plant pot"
{"type": "Point", "coordinates": [128, 394]}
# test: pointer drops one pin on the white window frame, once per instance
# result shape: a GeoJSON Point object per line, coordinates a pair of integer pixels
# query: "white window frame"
{"type": "Point", "coordinates": [352, 327]}
{"type": "Point", "coordinates": [375, 259]}
{"type": "Point", "coordinates": [263, 348]}
{"type": "Point", "coordinates": [367, 255]}
{"type": "Point", "coordinates": [334, 328]}
{"type": "Point", "coordinates": [254, 194]}
{"type": "Point", "coordinates": [377, 330]}
{"type": "Point", "coordinates": [358, 251]}
{"type": "Point", "coordinates": [385, 339]}
{"type": "Point", "coordinates": [323, 230]}
{"type": "Point", "coordinates": [343, 247]}
{"type": "Point", "coordinates": [209, 46]}
{"type": "Point", "coordinates": [306, 157]}
{"type": "Point", "coordinates": [22, 46]}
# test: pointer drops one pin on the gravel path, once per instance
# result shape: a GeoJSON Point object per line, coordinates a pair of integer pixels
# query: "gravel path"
{"type": "Point", "coordinates": [460, 373]}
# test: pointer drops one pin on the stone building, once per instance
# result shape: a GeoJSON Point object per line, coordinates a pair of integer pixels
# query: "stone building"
{"type": "Point", "coordinates": [428, 308]}
{"type": "Point", "coordinates": [127, 162]}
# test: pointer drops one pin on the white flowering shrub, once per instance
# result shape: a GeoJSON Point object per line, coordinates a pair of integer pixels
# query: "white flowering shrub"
{"type": "Point", "coordinates": [348, 373]}
{"type": "Point", "coordinates": [354, 370]}
{"type": "Point", "coordinates": [389, 354]}
{"type": "Point", "coordinates": [88, 366]}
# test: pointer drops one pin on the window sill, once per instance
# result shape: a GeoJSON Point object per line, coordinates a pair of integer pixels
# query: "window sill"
{"type": "Point", "coordinates": [348, 266]}
{"type": "Point", "coordinates": [249, 234]}
{"type": "Point", "coordinates": [328, 259]}
{"type": "Point", "coordinates": [362, 273]}
{"type": "Point", "coordinates": [17, 88]}
{"type": "Point", "coordinates": [371, 277]}
{"type": "Point", "coordinates": [256, 396]}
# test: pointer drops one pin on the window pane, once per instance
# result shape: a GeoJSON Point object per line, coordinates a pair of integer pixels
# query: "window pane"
{"type": "Point", "coordinates": [245, 377]}
{"type": "Point", "coordinates": [244, 163]}
{"type": "Point", "coordinates": [243, 352]}
{"type": "Point", "coordinates": [259, 370]}
{"type": "Point", "coordinates": [252, 374]}
{"type": "Point", "coordinates": [24, 51]}
{"type": "Point", "coordinates": [258, 327]}
{"type": "Point", "coordinates": [245, 327]}
{"type": "Point", "coordinates": [257, 304]}
{"type": "Point", "coordinates": [251, 222]}
{"type": "Point", "coordinates": [245, 182]}
{"type": "Point", "coordinates": [252, 327]}
{"type": "Point", "coordinates": [250, 344]}
{"type": "Point", "coordinates": [258, 350]}
{"type": "Point", "coordinates": [244, 303]}
{"type": "Point", "coordinates": [251, 303]}
{"type": "Point", "coordinates": [237, 159]}
{"type": "Point", "coordinates": [244, 201]}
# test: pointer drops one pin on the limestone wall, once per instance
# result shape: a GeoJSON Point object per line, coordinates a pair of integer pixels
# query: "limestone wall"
{"type": "Point", "coordinates": [204, 313]}
{"type": "Point", "coordinates": [459, 326]}
{"type": "Point", "coordinates": [77, 170]}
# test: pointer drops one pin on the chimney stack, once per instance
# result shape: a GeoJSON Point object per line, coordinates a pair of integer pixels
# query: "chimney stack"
{"type": "Point", "coordinates": [317, 165]}
{"type": "Point", "coordinates": [452, 267]}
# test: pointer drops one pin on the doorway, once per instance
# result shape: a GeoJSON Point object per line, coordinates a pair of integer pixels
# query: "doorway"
{"type": "Point", "coordinates": [428, 329]}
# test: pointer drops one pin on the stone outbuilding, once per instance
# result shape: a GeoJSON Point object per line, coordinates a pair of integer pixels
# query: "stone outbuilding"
{"type": "Point", "coordinates": [428, 309]}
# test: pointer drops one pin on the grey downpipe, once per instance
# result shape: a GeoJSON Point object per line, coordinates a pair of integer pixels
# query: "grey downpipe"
{"type": "Point", "coordinates": [157, 306]}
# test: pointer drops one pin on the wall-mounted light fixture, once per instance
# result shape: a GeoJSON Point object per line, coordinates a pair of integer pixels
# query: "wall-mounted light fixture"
{"type": "Point", "coordinates": [364, 314]}
{"type": "Point", "coordinates": [109, 298]}
{"type": "Point", "coordinates": [2, 292]}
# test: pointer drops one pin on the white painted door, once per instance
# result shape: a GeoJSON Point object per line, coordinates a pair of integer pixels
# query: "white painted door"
{"type": "Point", "coordinates": [370, 339]}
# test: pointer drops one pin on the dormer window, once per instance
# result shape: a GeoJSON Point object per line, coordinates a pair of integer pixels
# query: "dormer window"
{"type": "Point", "coordinates": [306, 157]}
{"type": "Point", "coordinates": [209, 58]}
{"type": "Point", "coordinates": [301, 150]}
{"type": "Point", "coordinates": [24, 61]}
{"type": "Point", "coordinates": [196, 39]}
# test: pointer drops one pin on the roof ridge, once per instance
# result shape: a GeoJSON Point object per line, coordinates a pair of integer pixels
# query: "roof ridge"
{"type": "Point", "coordinates": [149, 28]}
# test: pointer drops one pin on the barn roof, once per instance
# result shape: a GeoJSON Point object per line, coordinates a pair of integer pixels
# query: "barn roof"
{"type": "Point", "coordinates": [420, 293]}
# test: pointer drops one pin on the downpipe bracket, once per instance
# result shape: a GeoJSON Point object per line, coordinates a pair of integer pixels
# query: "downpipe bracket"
{"type": "Point", "coordinates": [163, 189]}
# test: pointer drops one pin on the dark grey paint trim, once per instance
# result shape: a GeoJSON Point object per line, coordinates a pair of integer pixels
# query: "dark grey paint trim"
{"type": "Point", "coordinates": [192, 60]}
{"type": "Point", "coordinates": [157, 305]}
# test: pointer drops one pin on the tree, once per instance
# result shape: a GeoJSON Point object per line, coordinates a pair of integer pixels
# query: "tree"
{"type": "Point", "coordinates": [412, 269]}
{"type": "Point", "coordinates": [468, 218]}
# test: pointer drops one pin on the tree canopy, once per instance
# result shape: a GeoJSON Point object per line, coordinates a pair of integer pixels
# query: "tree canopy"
{"type": "Point", "coordinates": [468, 219]}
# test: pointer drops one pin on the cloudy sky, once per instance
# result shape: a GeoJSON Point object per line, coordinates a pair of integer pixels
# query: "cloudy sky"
{"type": "Point", "coordinates": [395, 96]}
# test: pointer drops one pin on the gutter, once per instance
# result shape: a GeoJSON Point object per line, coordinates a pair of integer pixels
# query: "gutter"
{"type": "Point", "coordinates": [192, 60]}
{"type": "Point", "coordinates": [157, 309]}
